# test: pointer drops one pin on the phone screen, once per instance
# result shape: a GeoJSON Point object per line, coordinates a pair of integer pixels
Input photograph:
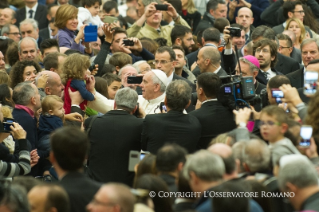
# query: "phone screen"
{"type": "Point", "coordinates": [305, 134]}
{"type": "Point", "coordinates": [276, 93]}
{"type": "Point", "coordinates": [310, 82]}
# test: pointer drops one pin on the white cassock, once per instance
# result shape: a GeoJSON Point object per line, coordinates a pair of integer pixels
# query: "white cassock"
{"type": "Point", "coordinates": [151, 106]}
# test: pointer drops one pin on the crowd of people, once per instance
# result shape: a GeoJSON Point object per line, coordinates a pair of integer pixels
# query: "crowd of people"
{"type": "Point", "coordinates": [164, 106]}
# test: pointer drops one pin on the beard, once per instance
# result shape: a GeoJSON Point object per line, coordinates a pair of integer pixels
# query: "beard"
{"type": "Point", "coordinates": [186, 49]}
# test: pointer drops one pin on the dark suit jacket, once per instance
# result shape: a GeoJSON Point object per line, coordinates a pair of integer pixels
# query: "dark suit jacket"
{"type": "Point", "coordinates": [261, 77]}
{"type": "Point", "coordinates": [286, 65]}
{"type": "Point", "coordinates": [112, 137]}
{"type": "Point", "coordinates": [296, 55]}
{"type": "Point", "coordinates": [192, 57]}
{"type": "Point", "coordinates": [171, 127]}
{"type": "Point", "coordinates": [80, 189]}
{"type": "Point", "coordinates": [192, 85]}
{"type": "Point", "coordinates": [44, 33]}
{"type": "Point", "coordinates": [221, 72]}
{"type": "Point", "coordinates": [205, 23]}
{"type": "Point", "coordinates": [215, 119]}
{"type": "Point", "coordinates": [296, 78]}
{"type": "Point", "coordinates": [40, 16]}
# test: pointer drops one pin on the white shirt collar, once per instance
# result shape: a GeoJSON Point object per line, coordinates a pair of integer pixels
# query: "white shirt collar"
{"type": "Point", "coordinates": [209, 100]}
{"type": "Point", "coordinates": [215, 72]}
{"type": "Point", "coordinates": [170, 78]}
{"type": "Point", "coordinates": [157, 100]}
{"type": "Point", "coordinates": [34, 8]}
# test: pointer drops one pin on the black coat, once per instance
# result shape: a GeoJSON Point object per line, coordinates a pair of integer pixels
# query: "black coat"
{"type": "Point", "coordinates": [192, 19]}
{"type": "Point", "coordinates": [205, 23]}
{"type": "Point", "coordinates": [221, 72]}
{"type": "Point", "coordinates": [261, 77]}
{"type": "Point", "coordinates": [296, 78]}
{"type": "Point", "coordinates": [80, 189]}
{"type": "Point", "coordinates": [286, 65]}
{"type": "Point", "coordinates": [40, 16]}
{"type": "Point", "coordinates": [44, 33]}
{"type": "Point", "coordinates": [112, 137]}
{"type": "Point", "coordinates": [215, 119]}
{"type": "Point", "coordinates": [171, 127]}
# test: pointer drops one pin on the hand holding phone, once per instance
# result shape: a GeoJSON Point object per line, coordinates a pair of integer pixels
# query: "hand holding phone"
{"type": "Point", "coordinates": [134, 79]}
{"type": "Point", "coordinates": [310, 82]}
{"type": "Point", "coordinates": [277, 94]}
{"type": "Point", "coordinates": [305, 134]}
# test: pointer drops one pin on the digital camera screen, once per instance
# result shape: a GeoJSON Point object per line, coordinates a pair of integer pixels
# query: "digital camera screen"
{"type": "Point", "coordinates": [227, 90]}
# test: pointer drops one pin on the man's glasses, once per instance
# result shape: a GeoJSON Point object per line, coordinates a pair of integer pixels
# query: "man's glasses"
{"type": "Point", "coordinates": [262, 50]}
{"type": "Point", "coordinates": [283, 47]}
{"type": "Point", "coordinates": [300, 11]}
{"type": "Point", "coordinates": [268, 123]}
{"type": "Point", "coordinates": [14, 33]}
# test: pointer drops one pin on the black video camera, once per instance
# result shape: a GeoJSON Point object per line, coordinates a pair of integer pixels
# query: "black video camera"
{"type": "Point", "coordinates": [234, 31]}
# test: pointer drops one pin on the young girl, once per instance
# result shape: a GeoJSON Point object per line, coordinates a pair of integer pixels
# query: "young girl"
{"type": "Point", "coordinates": [75, 69]}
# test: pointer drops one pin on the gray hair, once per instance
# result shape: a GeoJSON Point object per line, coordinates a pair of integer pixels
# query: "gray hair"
{"type": "Point", "coordinates": [126, 97]}
{"type": "Point", "coordinates": [300, 173]}
{"type": "Point", "coordinates": [5, 29]}
{"type": "Point", "coordinates": [206, 165]}
{"type": "Point", "coordinates": [22, 93]}
{"type": "Point", "coordinates": [137, 64]}
{"type": "Point", "coordinates": [147, 2]}
{"type": "Point", "coordinates": [237, 149]}
{"type": "Point", "coordinates": [252, 67]}
{"type": "Point", "coordinates": [31, 21]}
{"type": "Point", "coordinates": [307, 41]}
{"type": "Point", "coordinates": [178, 95]}
{"type": "Point", "coordinates": [121, 70]}
{"type": "Point", "coordinates": [256, 155]}
{"type": "Point", "coordinates": [156, 80]}
{"type": "Point", "coordinates": [27, 38]}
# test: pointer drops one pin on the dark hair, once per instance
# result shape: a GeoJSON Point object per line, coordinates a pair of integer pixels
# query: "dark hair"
{"type": "Point", "coordinates": [118, 30]}
{"type": "Point", "coordinates": [169, 156]}
{"type": "Point", "coordinates": [52, 60]}
{"type": "Point", "coordinates": [211, 34]}
{"type": "Point", "coordinates": [63, 142]}
{"type": "Point", "coordinates": [149, 44]}
{"type": "Point", "coordinates": [277, 81]}
{"type": "Point", "coordinates": [263, 31]}
{"type": "Point", "coordinates": [154, 183]}
{"type": "Point", "coordinates": [178, 95]}
{"type": "Point", "coordinates": [272, 46]}
{"type": "Point", "coordinates": [110, 77]}
{"type": "Point", "coordinates": [110, 5]}
{"type": "Point", "coordinates": [237, 25]}
{"type": "Point", "coordinates": [4, 4]}
{"type": "Point", "coordinates": [16, 73]}
{"type": "Point", "coordinates": [220, 24]}
{"type": "Point", "coordinates": [101, 86]}
{"type": "Point", "coordinates": [289, 6]}
{"type": "Point", "coordinates": [315, 61]}
{"type": "Point", "coordinates": [199, 37]}
{"type": "Point", "coordinates": [72, 51]}
{"type": "Point", "coordinates": [183, 186]}
{"type": "Point", "coordinates": [4, 45]}
{"type": "Point", "coordinates": [213, 4]}
{"type": "Point", "coordinates": [146, 166]}
{"type": "Point", "coordinates": [49, 43]}
{"type": "Point", "coordinates": [179, 48]}
{"type": "Point", "coordinates": [210, 83]}
{"type": "Point", "coordinates": [120, 59]}
{"type": "Point", "coordinates": [5, 95]}
{"type": "Point", "coordinates": [57, 198]}
{"type": "Point", "coordinates": [123, 22]}
{"type": "Point", "coordinates": [107, 69]}
{"type": "Point", "coordinates": [230, 203]}
{"type": "Point", "coordinates": [90, 3]}
{"type": "Point", "coordinates": [161, 41]}
{"type": "Point", "coordinates": [286, 38]}
{"type": "Point", "coordinates": [170, 51]}
{"type": "Point", "coordinates": [179, 31]}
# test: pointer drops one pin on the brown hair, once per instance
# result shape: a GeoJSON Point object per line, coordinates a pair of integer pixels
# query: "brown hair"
{"type": "Point", "coordinates": [74, 66]}
{"type": "Point", "coordinates": [48, 103]}
{"type": "Point", "coordinates": [272, 46]}
{"type": "Point", "coordinates": [16, 73]}
{"type": "Point", "coordinates": [65, 13]}
{"type": "Point", "coordinates": [276, 112]}
{"type": "Point", "coordinates": [120, 59]}
{"type": "Point", "coordinates": [4, 78]}
{"type": "Point", "coordinates": [149, 45]}
{"type": "Point", "coordinates": [101, 86]}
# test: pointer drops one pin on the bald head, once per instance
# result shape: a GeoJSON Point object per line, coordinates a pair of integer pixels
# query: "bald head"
{"type": "Point", "coordinates": [54, 84]}
{"type": "Point", "coordinates": [210, 52]}
{"type": "Point", "coordinates": [220, 149]}
{"type": "Point", "coordinates": [245, 10]}
{"type": "Point", "coordinates": [245, 18]}
{"type": "Point", "coordinates": [291, 34]}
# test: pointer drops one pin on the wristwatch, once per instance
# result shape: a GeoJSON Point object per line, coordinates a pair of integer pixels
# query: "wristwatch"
{"type": "Point", "coordinates": [242, 124]}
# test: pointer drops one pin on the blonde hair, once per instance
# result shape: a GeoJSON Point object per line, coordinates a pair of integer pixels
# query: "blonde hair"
{"type": "Point", "coordinates": [191, 7]}
{"type": "Point", "coordinates": [65, 13]}
{"type": "Point", "coordinates": [4, 78]}
{"type": "Point", "coordinates": [48, 103]}
{"type": "Point", "coordinates": [302, 28]}
{"type": "Point", "coordinates": [6, 111]}
{"type": "Point", "coordinates": [74, 66]}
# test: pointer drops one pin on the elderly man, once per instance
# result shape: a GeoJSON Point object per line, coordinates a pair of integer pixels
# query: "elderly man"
{"type": "Point", "coordinates": [142, 67]}
{"type": "Point", "coordinates": [7, 16]}
{"type": "Point", "coordinates": [112, 197]}
{"type": "Point", "coordinates": [54, 84]}
{"type": "Point", "coordinates": [11, 31]}
{"type": "Point", "coordinates": [28, 49]}
{"type": "Point", "coordinates": [184, 129]}
{"type": "Point", "coordinates": [125, 72]}
{"type": "Point", "coordinates": [29, 28]}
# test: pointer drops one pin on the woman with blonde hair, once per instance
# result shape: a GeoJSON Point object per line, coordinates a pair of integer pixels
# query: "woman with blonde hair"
{"type": "Point", "coordinates": [190, 14]}
{"type": "Point", "coordinates": [297, 27]}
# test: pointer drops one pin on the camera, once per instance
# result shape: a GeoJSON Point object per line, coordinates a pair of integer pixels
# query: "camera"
{"type": "Point", "coordinates": [162, 7]}
{"type": "Point", "coordinates": [128, 42]}
{"type": "Point", "coordinates": [7, 122]}
{"type": "Point", "coordinates": [234, 31]}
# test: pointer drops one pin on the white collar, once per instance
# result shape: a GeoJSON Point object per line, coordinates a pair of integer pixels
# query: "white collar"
{"type": "Point", "coordinates": [34, 8]}
{"type": "Point", "coordinates": [158, 99]}
{"type": "Point", "coordinates": [209, 100]}
{"type": "Point", "coordinates": [217, 70]}
{"type": "Point", "coordinates": [170, 78]}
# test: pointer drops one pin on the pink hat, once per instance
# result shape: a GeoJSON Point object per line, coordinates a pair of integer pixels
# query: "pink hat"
{"type": "Point", "coordinates": [253, 60]}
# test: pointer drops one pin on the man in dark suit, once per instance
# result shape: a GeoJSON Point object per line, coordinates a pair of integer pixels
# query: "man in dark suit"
{"type": "Point", "coordinates": [208, 85]}
{"type": "Point", "coordinates": [68, 164]}
{"type": "Point", "coordinates": [245, 18]}
{"type": "Point", "coordinates": [165, 60]}
{"type": "Point", "coordinates": [286, 47]}
{"type": "Point", "coordinates": [45, 33]}
{"type": "Point", "coordinates": [310, 59]}
{"type": "Point", "coordinates": [35, 11]}
{"type": "Point", "coordinates": [179, 128]}
{"type": "Point", "coordinates": [29, 28]}
{"type": "Point", "coordinates": [111, 148]}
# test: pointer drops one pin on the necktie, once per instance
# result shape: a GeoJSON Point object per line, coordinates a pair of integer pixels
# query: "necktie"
{"type": "Point", "coordinates": [31, 13]}
{"type": "Point", "coordinates": [246, 38]}
{"type": "Point", "coordinates": [159, 31]}
{"type": "Point", "coordinates": [266, 74]}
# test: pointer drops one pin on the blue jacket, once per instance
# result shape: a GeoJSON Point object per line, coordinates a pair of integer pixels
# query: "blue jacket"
{"type": "Point", "coordinates": [47, 124]}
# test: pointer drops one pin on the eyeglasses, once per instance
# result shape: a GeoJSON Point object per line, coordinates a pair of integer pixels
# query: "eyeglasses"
{"type": "Point", "coordinates": [262, 50]}
{"type": "Point", "coordinates": [268, 123]}
{"type": "Point", "coordinates": [283, 47]}
{"type": "Point", "coordinates": [161, 62]}
{"type": "Point", "coordinates": [300, 11]}
{"type": "Point", "coordinates": [14, 33]}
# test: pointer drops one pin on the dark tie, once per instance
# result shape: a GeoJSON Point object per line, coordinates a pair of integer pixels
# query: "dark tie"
{"type": "Point", "coordinates": [246, 38]}
{"type": "Point", "coordinates": [266, 74]}
{"type": "Point", "coordinates": [31, 13]}
{"type": "Point", "coordinates": [159, 31]}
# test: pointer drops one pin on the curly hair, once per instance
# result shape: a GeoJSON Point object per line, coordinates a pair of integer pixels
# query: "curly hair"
{"type": "Point", "coordinates": [16, 73]}
{"type": "Point", "coordinates": [312, 117]}
{"type": "Point", "coordinates": [74, 66]}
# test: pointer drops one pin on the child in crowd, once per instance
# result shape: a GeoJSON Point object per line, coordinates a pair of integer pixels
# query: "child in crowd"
{"type": "Point", "coordinates": [75, 71]}
{"type": "Point", "coordinates": [273, 126]}
{"type": "Point", "coordinates": [114, 84]}
{"type": "Point", "coordinates": [51, 118]}
{"type": "Point", "coordinates": [89, 13]}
